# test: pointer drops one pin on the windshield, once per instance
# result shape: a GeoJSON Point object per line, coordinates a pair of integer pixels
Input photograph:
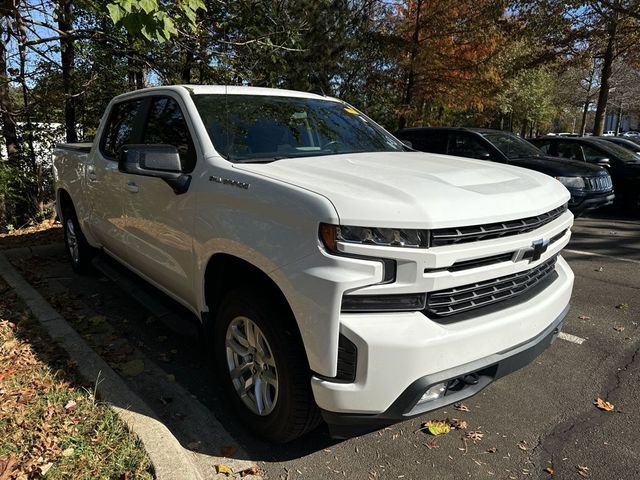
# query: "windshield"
{"type": "Point", "coordinates": [511, 145]}
{"type": "Point", "coordinates": [619, 152]}
{"type": "Point", "coordinates": [255, 128]}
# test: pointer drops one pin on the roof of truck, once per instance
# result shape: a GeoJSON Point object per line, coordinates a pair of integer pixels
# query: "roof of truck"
{"type": "Point", "coordinates": [235, 90]}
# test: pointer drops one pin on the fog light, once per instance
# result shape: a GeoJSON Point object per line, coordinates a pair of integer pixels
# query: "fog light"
{"type": "Point", "coordinates": [435, 391]}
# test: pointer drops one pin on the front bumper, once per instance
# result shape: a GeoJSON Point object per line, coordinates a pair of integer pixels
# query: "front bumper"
{"type": "Point", "coordinates": [585, 202]}
{"type": "Point", "coordinates": [487, 370]}
{"type": "Point", "coordinates": [401, 352]}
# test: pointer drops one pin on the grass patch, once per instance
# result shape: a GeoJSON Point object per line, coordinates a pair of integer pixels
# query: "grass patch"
{"type": "Point", "coordinates": [51, 425]}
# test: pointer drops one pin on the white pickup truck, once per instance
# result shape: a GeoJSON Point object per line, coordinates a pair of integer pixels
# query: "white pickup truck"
{"type": "Point", "coordinates": [336, 273]}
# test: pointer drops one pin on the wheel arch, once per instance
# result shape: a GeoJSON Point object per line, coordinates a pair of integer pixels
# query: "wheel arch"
{"type": "Point", "coordinates": [226, 272]}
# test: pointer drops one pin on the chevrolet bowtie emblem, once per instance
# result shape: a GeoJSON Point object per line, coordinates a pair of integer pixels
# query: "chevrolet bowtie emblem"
{"type": "Point", "coordinates": [538, 248]}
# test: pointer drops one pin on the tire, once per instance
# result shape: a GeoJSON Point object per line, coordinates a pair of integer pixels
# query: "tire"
{"type": "Point", "coordinates": [278, 354]}
{"type": "Point", "coordinates": [78, 249]}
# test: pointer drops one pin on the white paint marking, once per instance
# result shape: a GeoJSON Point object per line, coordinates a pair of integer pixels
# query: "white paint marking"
{"type": "Point", "coordinates": [571, 338]}
{"type": "Point", "coordinates": [593, 254]}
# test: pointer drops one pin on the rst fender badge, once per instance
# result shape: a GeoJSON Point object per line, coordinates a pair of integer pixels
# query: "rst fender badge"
{"type": "Point", "coordinates": [228, 181]}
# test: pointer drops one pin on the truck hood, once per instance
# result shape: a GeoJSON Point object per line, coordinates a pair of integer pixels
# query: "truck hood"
{"type": "Point", "coordinates": [418, 190]}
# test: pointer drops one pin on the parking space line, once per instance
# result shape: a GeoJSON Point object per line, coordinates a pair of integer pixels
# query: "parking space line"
{"type": "Point", "coordinates": [593, 254]}
{"type": "Point", "coordinates": [571, 338]}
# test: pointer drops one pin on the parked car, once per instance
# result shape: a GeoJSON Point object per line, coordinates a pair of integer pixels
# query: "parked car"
{"type": "Point", "coordinates": [623, 165]}
{"type": "Point", "coordinates": [590, 186]}
{"type": "Point", "coordinates": [624, 142]}
{"type": "Point", "coordinates": [631, 133]}
{"type": "Point", "coordinates": [333, 271]}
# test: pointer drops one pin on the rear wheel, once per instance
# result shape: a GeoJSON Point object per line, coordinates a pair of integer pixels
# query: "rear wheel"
{"type": "Point", "coordinates": [263, 367]}
{"type": "Point", "coordinates": [79, 251]}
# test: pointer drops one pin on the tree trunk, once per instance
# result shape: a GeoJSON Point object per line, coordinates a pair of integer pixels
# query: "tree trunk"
{"type": "Point", "coordinates": [411, 73]}
{"type": "Point", "coordinates": [587, 101]}
{"type": "Point", "coordinates": [67, 58]}
{"type": "Point", "coordinates": [186, 67]}
{"type": "Point", "coordinates": [605, 78]}
{"type": "Point", "coordinates": [9, 130]}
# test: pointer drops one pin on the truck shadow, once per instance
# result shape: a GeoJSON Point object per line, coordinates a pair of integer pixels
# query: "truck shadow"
{"type": "Point", "coordinates": [168, 370]}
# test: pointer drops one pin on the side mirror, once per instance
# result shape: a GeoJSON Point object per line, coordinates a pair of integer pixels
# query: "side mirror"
{"type": "Point", "coordinates": [159, 161]}
{"type": "Point", "coordinates": [603, 162]}
{"type": "Point", "coordinates": [407, 143]}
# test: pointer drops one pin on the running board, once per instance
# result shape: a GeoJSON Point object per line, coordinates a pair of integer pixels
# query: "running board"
{"type": "Point", "coordinates": [176, 317]}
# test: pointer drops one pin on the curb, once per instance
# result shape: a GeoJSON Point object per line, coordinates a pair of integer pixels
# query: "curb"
{"type": "Point", "coordinates": [169, 459]}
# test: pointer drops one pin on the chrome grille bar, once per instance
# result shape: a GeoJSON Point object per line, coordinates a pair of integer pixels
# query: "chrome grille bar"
{"type": "Point", "coordinates": [475, 233]}
{"type": "Point", "coordinates": [455, 300]}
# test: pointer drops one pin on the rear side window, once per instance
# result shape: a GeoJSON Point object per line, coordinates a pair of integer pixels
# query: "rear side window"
{"type": "Point", "coordinates": [166, 125]}
{"type": "Point", "coordinates": [570, 150]}
{"type": "Point", "coordinates": [429, 141]}
{"type": "Point", "coordinates": [120, 127]}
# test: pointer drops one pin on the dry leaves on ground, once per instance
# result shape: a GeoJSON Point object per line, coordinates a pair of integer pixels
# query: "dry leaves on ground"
{"type": "Point", "coordinates": [461, 407]}
{"type": "Point", "coordinates": [603, 405]}
{"type": "Point", "coordinates": [223, 469]}
{"type": "Point", "coordinates": [583, 471]}
{"type": "Point", "coordinates": [459, 424]}
{"type": "Point", "coordinates": [436, 427]}
{"type": "Point", "coordinates": [474, 435]}
{"type": "Point", "coordinates": [549, 470]}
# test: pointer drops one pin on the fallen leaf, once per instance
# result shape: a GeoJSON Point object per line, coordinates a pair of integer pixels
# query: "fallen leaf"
{"type": "Point", "coordinates": [67, 452]}
{"type": "Point", "coordinates": [459, 424]}
{"type": "Point", "coordinates": [603, 405]}
{"type": "Point", "coordinates": [492, 450]}
{"type": "Point", "coordinates": [45, 468]}
{"type": "Point", "coordinates": [475, 435]}
{"type": "Point", "coordinates": [431, 444]}
{"type": "Point", "coordinates": [222, 468]}
{"type": "Point", "coordinates": [249, 471]}
{"type": "Point", "coordinates": [583, 471]}
{"type": "Point", "coordinates": [228, 451]}
{"type": "Point", "coordinates": [599, 269]}
{"type": "Point", "coordinates": [523, 446]}
{"type": "Point", "coordinates": [6, 467]}
{"type": "Point", "coordinates": [618, 328]}
{"type": "Point", "coordinates": [622, 306]}
{"type": "Point", "coordinates": [584, 317]}
{"type": "Point", "coordinates": [461, 406]}
{"type": "Point", "coordinates": [132, 367]}
{"type": "Point", "coordinates": [70, 406]}
{"type": "Point", "coordinates": [4, 375]}
{"type": "Point", "coordinates": [549, 470]}
{"type": "Point", "coordinates": [437, 427]}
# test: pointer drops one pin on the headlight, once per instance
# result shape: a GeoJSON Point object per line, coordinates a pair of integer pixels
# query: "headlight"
{"type": "Point", "coordinates": [385, 237]}
{"type": "Point", "coordinates": [571, 182]}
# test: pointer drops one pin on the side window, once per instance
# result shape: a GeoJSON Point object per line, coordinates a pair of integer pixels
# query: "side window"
{"type": "Point", "coordinates": [570, 150]}
{"type": "Point", "coordinates": [544, 146]}
{"type": "Point", "coordinates": [166, 125]}
{"type": "Point", "coordinates": [120, 127]}
{"type": "Point", "coordinates": [591, 154]}
{"type": "Point", "coordinates": [433, 142]}
{"type": "Point", "coordinates": [463, 145]}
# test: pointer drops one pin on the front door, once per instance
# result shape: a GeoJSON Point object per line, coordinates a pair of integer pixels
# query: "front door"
{"type": "Point", "coordinates": [158, 222]}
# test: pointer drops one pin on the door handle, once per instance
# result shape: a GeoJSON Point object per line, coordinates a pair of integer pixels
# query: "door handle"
{"type": "Point", "coordinates": [132, 187]}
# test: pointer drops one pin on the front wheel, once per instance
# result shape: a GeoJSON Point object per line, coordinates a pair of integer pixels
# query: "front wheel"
{"type": "Point", "coordinates": [263, 367]}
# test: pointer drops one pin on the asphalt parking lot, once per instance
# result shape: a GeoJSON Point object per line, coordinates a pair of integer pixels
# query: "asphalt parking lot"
{"type": "Point", "coordinates": [539, 420]}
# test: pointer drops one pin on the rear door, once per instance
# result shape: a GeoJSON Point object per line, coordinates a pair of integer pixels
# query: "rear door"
{"type": "Point", "coordinates": [158, 222]}
{"type": "Point", "coordinates": [105, 184]}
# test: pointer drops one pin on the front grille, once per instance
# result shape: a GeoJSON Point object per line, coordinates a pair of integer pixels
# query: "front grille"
{"type": "Point", "coordinates": [443, 303]}
{"type": "Point", "coordinates": [475, 233]}
{"type": "Point", "coordinates": [598, 184]}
